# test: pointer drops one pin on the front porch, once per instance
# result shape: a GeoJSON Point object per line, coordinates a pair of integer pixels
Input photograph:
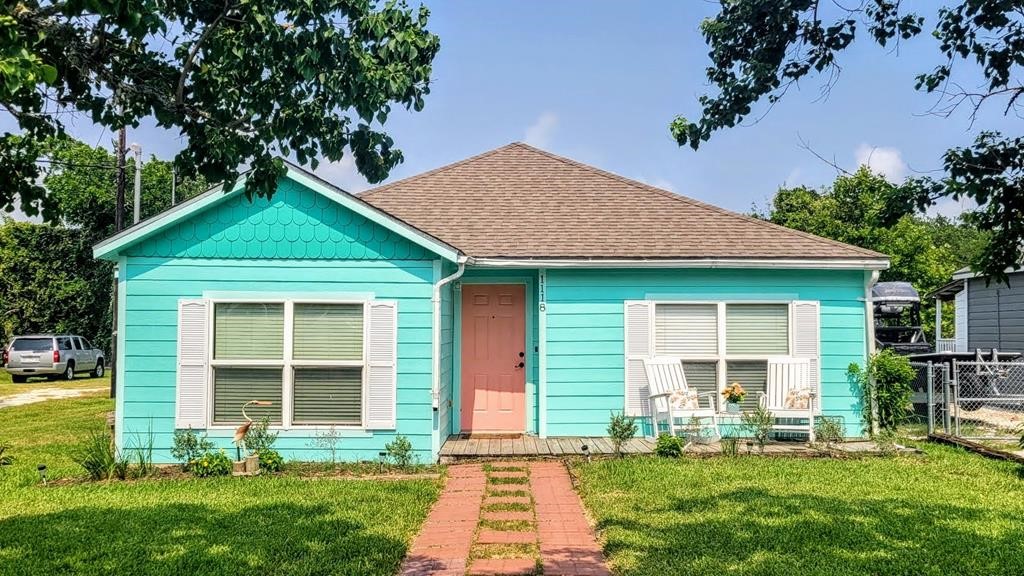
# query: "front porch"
{"type": "Point", "coordinates": [466, 446]}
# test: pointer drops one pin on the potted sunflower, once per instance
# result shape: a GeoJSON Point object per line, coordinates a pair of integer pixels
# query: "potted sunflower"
{"type": "Point", "coordinates": [733, 394]}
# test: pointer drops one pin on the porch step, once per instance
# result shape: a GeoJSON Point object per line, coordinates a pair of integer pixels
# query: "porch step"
{"type": "Point", "coordinates": [503, 567]}
{"type": "Point", "coordinates": [488, 536]}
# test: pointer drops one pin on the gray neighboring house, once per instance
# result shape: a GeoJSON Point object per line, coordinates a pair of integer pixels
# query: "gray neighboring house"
{"type": "Point", "coordinates": [989, 314]}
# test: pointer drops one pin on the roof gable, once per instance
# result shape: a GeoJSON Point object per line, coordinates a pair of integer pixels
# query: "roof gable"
{"type": "Point", "coordinates": [297, 223]}
{"type": "Point", "coordinates": [518, 202]}
{"type": "Point", "coordinates": [219, 224]}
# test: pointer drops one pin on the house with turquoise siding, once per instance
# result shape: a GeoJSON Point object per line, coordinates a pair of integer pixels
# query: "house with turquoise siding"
{"type": "Point", "coordinates": [512, 293]}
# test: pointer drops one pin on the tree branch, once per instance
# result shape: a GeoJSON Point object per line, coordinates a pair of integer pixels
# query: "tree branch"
{"type": "Point", "coordinates": [187, 66]}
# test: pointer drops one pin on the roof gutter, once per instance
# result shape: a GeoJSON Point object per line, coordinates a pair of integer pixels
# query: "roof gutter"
{"type": "Point", "coordinates": [435, 355]}
{"type": "Point", "coordinates": [767, 263]}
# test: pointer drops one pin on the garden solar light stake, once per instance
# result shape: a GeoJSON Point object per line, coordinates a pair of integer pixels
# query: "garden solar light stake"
{"type": "Point", "coordinates": [241, 431]}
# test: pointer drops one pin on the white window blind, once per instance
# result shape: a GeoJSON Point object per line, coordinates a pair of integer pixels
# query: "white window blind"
{"type": "Point", "coordinates": [328, 396]}
{"type": "Point", "coordinates": [233, 387]}
{"type": "Point", "coordinates": [757, 329]}
{"type": "Point", "coordinates": [248, 331]}
{"type": "Point", "coordinates": [328, 332]}
{"type": "Point", "coordinates": [752, 375]}
{"type": "Point", "coordinates": [686, 329]}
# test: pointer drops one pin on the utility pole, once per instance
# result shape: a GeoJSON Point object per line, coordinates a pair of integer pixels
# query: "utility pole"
{"type": "Point", "coordinates": [122, 136]}
{"type": "Point", "coordinates": [174, 181]}
{"type": "Point", "coordinates": [137, 204]}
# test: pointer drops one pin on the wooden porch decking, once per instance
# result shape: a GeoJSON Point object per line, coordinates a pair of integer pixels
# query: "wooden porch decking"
{"type": "Point", "coordinates": [525, 445]}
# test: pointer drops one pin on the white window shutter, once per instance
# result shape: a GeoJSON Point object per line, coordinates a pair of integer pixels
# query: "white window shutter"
{"type": "Point", "coordinates": [638, 347]}
{"type": "Point", "coordinates": [807, 339]}
{"type": "Point", "coordinates": [193, 351]}
{"type": "Point", "coordinates": [382, 365]}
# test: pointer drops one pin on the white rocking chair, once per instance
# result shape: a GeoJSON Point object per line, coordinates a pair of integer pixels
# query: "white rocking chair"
{"type": "Point", "coordinates": [789, 394]}
{"type": "Point", "coordinates": [668, 388]}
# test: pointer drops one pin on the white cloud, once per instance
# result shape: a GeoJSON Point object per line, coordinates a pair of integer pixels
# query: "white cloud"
{"type": "Point", "coordinates": [539, 133]}
{"type": "Point", "coordinates": [794, 178]}
{"type": "Point", "coordinates": [343, 174]}
{"type": "Point", "coordinates": [951, 208]}
{"type": "Point", "coordinates": [885, 161]}
{"type": "Point", "coordinates": [657, 183]}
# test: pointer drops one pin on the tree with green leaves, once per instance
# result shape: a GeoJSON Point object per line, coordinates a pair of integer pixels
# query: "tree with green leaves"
{"type": "Point", "coordinates": [82, 182]}
{"type": "Point", "coordinates": [49, 281]}
{"type": "Point", "coordinates": [243, 81]}
{"type": "Point", "coordinates": [761, 48]}
{"type": "Point", "coordinates": [854, 209]}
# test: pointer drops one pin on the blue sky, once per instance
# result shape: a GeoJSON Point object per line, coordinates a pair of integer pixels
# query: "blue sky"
{"type": "Point", "coordinates": [600, 81]}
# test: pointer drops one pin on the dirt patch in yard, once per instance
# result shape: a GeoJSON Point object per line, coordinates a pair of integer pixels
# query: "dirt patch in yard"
{"type": "Point", "coordinates": [44, 394]}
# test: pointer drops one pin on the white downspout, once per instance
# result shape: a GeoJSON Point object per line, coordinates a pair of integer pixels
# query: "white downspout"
{"type": "Point", "coordinates": [869, 309]}
{"type": "Point", "coordinates": [435, 384]}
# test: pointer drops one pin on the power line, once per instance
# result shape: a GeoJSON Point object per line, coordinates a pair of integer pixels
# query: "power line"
{"type": "Point", "coordinates": [75, 164]}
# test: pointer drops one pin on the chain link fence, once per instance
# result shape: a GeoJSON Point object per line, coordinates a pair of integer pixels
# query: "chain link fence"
{"type": "Point", "coordinates": [974, 400]}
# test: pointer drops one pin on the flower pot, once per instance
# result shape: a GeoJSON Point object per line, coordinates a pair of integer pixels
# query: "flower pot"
{"type": "Point", "coordinates": [238, 468]}
{"type": "Point", "coordinates": [732, 407]}
{"type": "Point", "coordinates": [252, 464]}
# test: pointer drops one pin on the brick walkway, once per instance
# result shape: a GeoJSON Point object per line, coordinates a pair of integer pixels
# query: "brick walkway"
{"type": "Point", "coordinates": [506, 518]}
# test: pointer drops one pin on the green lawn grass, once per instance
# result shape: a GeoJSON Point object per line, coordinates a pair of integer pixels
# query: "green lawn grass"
{"type": "Point", "coordinates": [947, 512]}
{"type": "Point", "coordinates": [263, 525]}
{"type": "Point", "coordinates": [8, 388]}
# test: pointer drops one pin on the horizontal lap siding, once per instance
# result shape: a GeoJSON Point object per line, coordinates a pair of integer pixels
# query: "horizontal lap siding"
{"type": "Point", "coordinates": [585, 348]}
{"type": "Point", "coordinates": [154, 287]}
{"type": "Point", "coordinates": [996, 314]}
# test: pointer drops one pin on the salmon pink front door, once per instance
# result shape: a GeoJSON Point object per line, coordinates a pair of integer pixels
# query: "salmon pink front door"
{"type": "Point", "coordinates": [493, 358]}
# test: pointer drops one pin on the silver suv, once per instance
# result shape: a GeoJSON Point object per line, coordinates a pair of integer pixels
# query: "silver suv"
{"type": "Point", "coordinates": [51, 355]}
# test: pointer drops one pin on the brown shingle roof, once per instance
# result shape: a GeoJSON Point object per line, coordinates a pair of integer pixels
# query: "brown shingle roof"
{"type": "Point", "coordinates": [520, 202]}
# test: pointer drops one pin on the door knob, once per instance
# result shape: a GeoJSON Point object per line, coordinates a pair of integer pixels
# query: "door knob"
{"type": "Point", "coordinates": [521, 364]}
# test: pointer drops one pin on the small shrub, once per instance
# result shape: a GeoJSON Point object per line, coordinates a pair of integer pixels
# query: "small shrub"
{"type": "Point", "coordinates": [400, 451]}
{"type": "Point", "coordinates": [829, 431]}
{"type": "Point", "coordinates": [259, 437]}
{"type": "Point", "coordinates": [886, 443]}
{"type": "Point", "coordinates": [758, 422]}
{"type": "Point", "coordinates": [730, 446]}
{"type": "Point", "coordinates": [327, 440]}
{"type": "Point", "coordinates": [886, 386]}
{"type": "Point", "coordinates": [212, 464]}
{"type": "Point", "coordinates": [695, 431]}
{"type": "Point", "coordinates": [621, 429]}
{"type": "Point", "coordinates": [271, 460]}
{"type": "Point", "coordinates": [668, 446]}
{"type": "Point", "coordinates": [189, 447]}
{"type": "Point", "coordinates": [5, 458]}
{"type": "Point", "coordinates": [97, 455]}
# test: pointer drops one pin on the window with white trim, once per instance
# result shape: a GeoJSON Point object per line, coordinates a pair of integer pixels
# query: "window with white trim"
{"type": "Point", "coordinates": [722, 342]}
{"type": "Point", "coordinates": [306, 358]}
